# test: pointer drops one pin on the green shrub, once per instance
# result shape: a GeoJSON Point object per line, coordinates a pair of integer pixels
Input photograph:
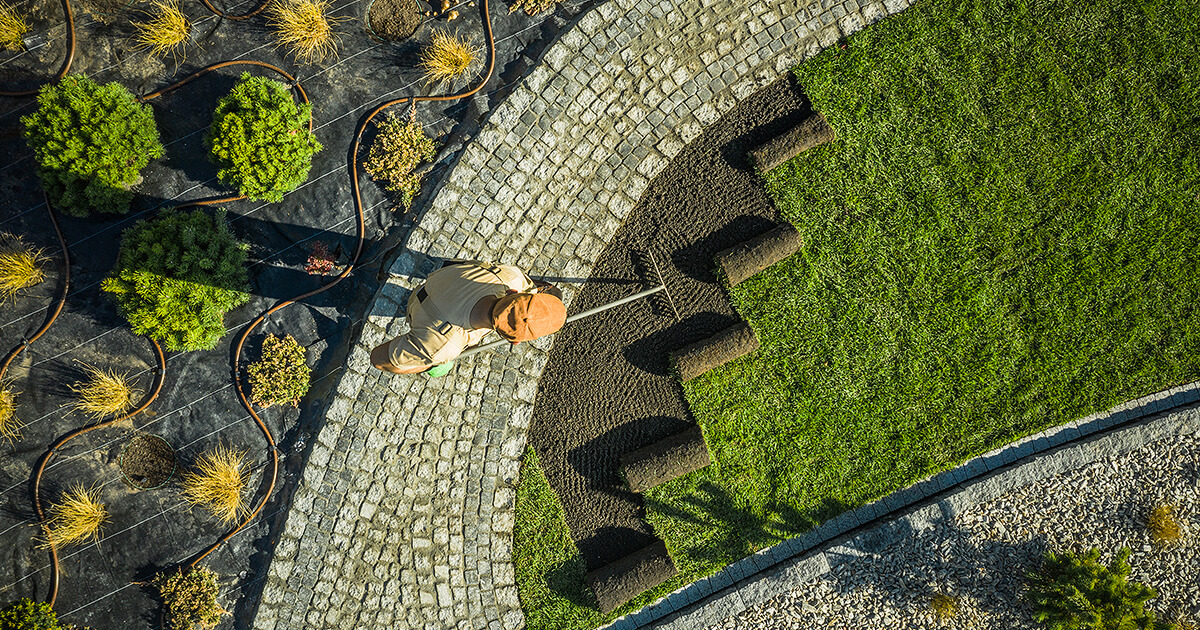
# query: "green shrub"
{"type": "Point", "coordinates": [176, 277]}
{"type": "Point", "coordinates": [90, 141]}
{"type": "Point", "coordinates": [281, 375]}
{"type": "Point", "coordinates": [1074, 592]}
{"type": "Point", "coordinates": [190, 598]}
{"type": "Point", "coordinates": [398, 149]}
{"type": "Point", "coordinates": [260, 139]}
{"type": "Point", "coordinates": [28, 615]}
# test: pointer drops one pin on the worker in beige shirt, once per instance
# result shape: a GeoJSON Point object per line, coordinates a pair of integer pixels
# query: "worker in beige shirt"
{"type": "Point", "coordinates": [461, 304]}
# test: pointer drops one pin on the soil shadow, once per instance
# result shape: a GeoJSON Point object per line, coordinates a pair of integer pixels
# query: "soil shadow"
{"type": "Point", "coordinates": [607, 389]}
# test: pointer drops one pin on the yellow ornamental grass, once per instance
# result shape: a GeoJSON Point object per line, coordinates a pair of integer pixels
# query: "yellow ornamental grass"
{"type": "Point", "coordinates": [104, 393]}
{"type": "Point", "coordinates": [10, 427]}
{"type": "Point", "coordinates": [217, 483]}
{"type": "Point", "coordinates": [166, 28]}
{"type": "Point", "coordinates": [305, 28]}
{"type": "Point", "coordinates": [449, 57]}
{"type": "Point", "coordinates": [20, 266]}
{"type": "Point", "coordinates": [76, 517]}
{"type": "Point", "coordinates": [12, 28]}
{"type": "Point", "coordinates": [1163, 525]}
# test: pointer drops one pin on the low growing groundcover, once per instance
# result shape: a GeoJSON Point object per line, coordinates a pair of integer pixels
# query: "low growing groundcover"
{"type": "Point", "coordinates": [1002, 238]}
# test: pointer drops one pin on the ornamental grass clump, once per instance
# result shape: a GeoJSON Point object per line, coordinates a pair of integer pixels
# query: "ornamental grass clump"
{"type": "Point", "coordinates": [10, 426]}
{"type": "Point", "coordinates": [281, 376]}
{"type": "Point", "coordinates": [76, 517]}
{"type": "Point", "coordinates": [12, 28]}
{"type": "Point", "coordinates": [1074, 592]}
{"type": "Point", "coordinates": [27, 614]}
{"type": "Point", "coordinates": [176, 277]}
{"type": "Point", "coordinates": [944, 606]}
{"type": "Point", "coordinates": [305, 27]}
{"type": "Point", "coordinates": [400, 146]}
{"type": "Point", "coordinates": [260, 139]}
{"type": "Point", "coordinates": [1163, 526]}
{"type": "Point", "coordinates": [90, 142]}
{"type": "Point", "coordinates": [105, 392]}
{"type": "Point", "coordinates": [448, 57]}
{"type": "Point", "coordinates": [189, 598]}
{"type": "Point", "coordinates": [217, 483]}
{"type": "Point", "coordinates": [20, 266]}
{"type": "Point", "coordinates": [166, 28]}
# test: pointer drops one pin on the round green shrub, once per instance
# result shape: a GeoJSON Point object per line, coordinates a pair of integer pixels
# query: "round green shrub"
{"type": "Point", "coordinates": [281, 376]}
{"type": "Point", "coordinates": [176, 277]}
{"type": "Point", "coordinates": [28, 615]}
{"type": "Point", "coordinates": [260, 139]}
{"type": "Point", "coordinates": [90, 142]}
{"type": "Point", "coordinates": [1076, 592]}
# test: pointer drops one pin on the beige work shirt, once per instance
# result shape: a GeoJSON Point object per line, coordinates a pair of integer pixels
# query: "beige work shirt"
{"type": "Point", "coordinates": [439, 312]}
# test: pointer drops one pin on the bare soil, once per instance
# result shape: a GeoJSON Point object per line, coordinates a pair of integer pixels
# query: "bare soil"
{"type": "Point", "coordinates": [148, 461]}
{"type": "Point", "coordinates": [394, 20]}
{"type": "Point", "coordinates": [607, 389]}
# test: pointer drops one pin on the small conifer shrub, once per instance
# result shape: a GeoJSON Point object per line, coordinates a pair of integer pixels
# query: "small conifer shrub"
{"type": "Point", "coordinates": [282, 375]}
{"type": "Point", "coordinates": [1076, 592]}
{"type": "Point", "coordinates": [12, 28]}
{"type": "Point", "coordinates": [400, 146]}
{"type": "Point", "coordinates": [189, 598]}
{"type": "Point", "coordinates": [1163, 525]}
{"type": "Point", "coordinates": [27, 614]}
{"type": "Point", "coordinates": [176, 277]}
{"type": "Point", "coordinates": [260, 140]}
{"type": "Point", "coordinates": [531, 7]}
{"type": "Point", "coordinates": [90, 142]}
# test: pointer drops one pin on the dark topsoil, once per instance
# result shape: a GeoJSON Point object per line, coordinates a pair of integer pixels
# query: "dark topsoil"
{"type": "Point", "coordinates": [147, 461]}
{"type": "Point", "coordinates": [394, 20]}
{"type": "Point", "coordinates": [607, 389]}
{"type": "Point", "coordinates": [151, 530]}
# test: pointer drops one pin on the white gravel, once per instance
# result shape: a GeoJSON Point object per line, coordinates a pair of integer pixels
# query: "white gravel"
{"type": "Point", "coordinates": [983, 554]}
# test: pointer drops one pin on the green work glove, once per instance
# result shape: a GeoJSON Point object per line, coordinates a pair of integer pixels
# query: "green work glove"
{"type": "Point", "coordinates": [439, 370]}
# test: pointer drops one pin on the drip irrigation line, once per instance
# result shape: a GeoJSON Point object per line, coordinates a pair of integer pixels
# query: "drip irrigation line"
{"type": "Point", "coordinates": [66, 67]}
{"type": "Point", "coordinates": [160, 377]}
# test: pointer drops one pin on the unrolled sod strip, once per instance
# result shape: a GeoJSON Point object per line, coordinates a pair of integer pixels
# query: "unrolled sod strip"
{"type": "Point", "coordinates": [746, 259]}
{"type": "Point", "coordinates": [628, 577]}
{"type": "Point", "coordinates": [814, 131]}
{"type": "Point", "coordinates": [719, 349]}
{"type": "Point", "coordinates": [666, 459]}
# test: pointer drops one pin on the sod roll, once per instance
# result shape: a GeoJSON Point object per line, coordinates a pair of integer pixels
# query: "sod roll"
{"type": "Point", "coordinates": [666, 459]}
{"type": "Point", "coordinates": [746, 259]}
{"type": "Point", "coordinates": [628, 577]}
{"type": "Point", "coordinates": [719, 349]}
{"type": "Point", "coordinates": [813, 131]}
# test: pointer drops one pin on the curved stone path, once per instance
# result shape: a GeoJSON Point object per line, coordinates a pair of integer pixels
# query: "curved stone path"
{"type": "Point", "coordinates": [404, 513]}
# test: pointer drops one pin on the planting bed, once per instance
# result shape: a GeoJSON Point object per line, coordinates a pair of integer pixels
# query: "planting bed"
{"type": "Point", "coordinates": [607, 389]}
{"type": "Point", "coordinates": [198, 407]}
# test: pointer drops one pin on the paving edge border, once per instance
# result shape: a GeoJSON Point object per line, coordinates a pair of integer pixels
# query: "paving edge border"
{"type": "Point", "coordinates": [873, 527]}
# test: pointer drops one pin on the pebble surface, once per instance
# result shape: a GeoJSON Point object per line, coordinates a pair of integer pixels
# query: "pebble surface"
{"type": "Point", "coordinates": [981, 555]}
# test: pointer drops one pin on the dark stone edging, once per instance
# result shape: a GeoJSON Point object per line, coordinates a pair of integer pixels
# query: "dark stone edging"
{"type": "Point", "coordinates": [876, 526]}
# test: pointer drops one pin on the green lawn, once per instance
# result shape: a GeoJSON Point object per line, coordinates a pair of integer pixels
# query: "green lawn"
{"type": "Point", "coordinates": [1003, 238]}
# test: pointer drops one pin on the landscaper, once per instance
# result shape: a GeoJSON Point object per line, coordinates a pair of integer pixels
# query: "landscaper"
{"type": "Point", "coordinates": [461, 304]}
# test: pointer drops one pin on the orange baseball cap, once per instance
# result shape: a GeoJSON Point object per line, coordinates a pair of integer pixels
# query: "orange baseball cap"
{"type": "Point", "coordinates": [526, 316]}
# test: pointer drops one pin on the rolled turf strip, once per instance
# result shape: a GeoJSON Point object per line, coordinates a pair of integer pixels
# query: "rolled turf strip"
{"type": "Point", "coordinates": [618, 582]}
{"type": "Point", "coordinates": [746, 259]}
{"type": "Point", "coordinates": [813, 131]}
{"type": "Point", "coordinates": [666, 459]}
{"type": "Point", "coordinates": [719, 349]}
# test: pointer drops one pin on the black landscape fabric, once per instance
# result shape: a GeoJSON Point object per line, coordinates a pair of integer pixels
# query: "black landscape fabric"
{"type": "Point", "coordinates": [152, 530]}
{"type": "Point", "coordinates": [607, 389]}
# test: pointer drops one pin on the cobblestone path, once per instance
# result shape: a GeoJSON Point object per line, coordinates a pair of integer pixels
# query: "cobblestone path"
{"type": "Point", "coordinates": [404, 515]}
